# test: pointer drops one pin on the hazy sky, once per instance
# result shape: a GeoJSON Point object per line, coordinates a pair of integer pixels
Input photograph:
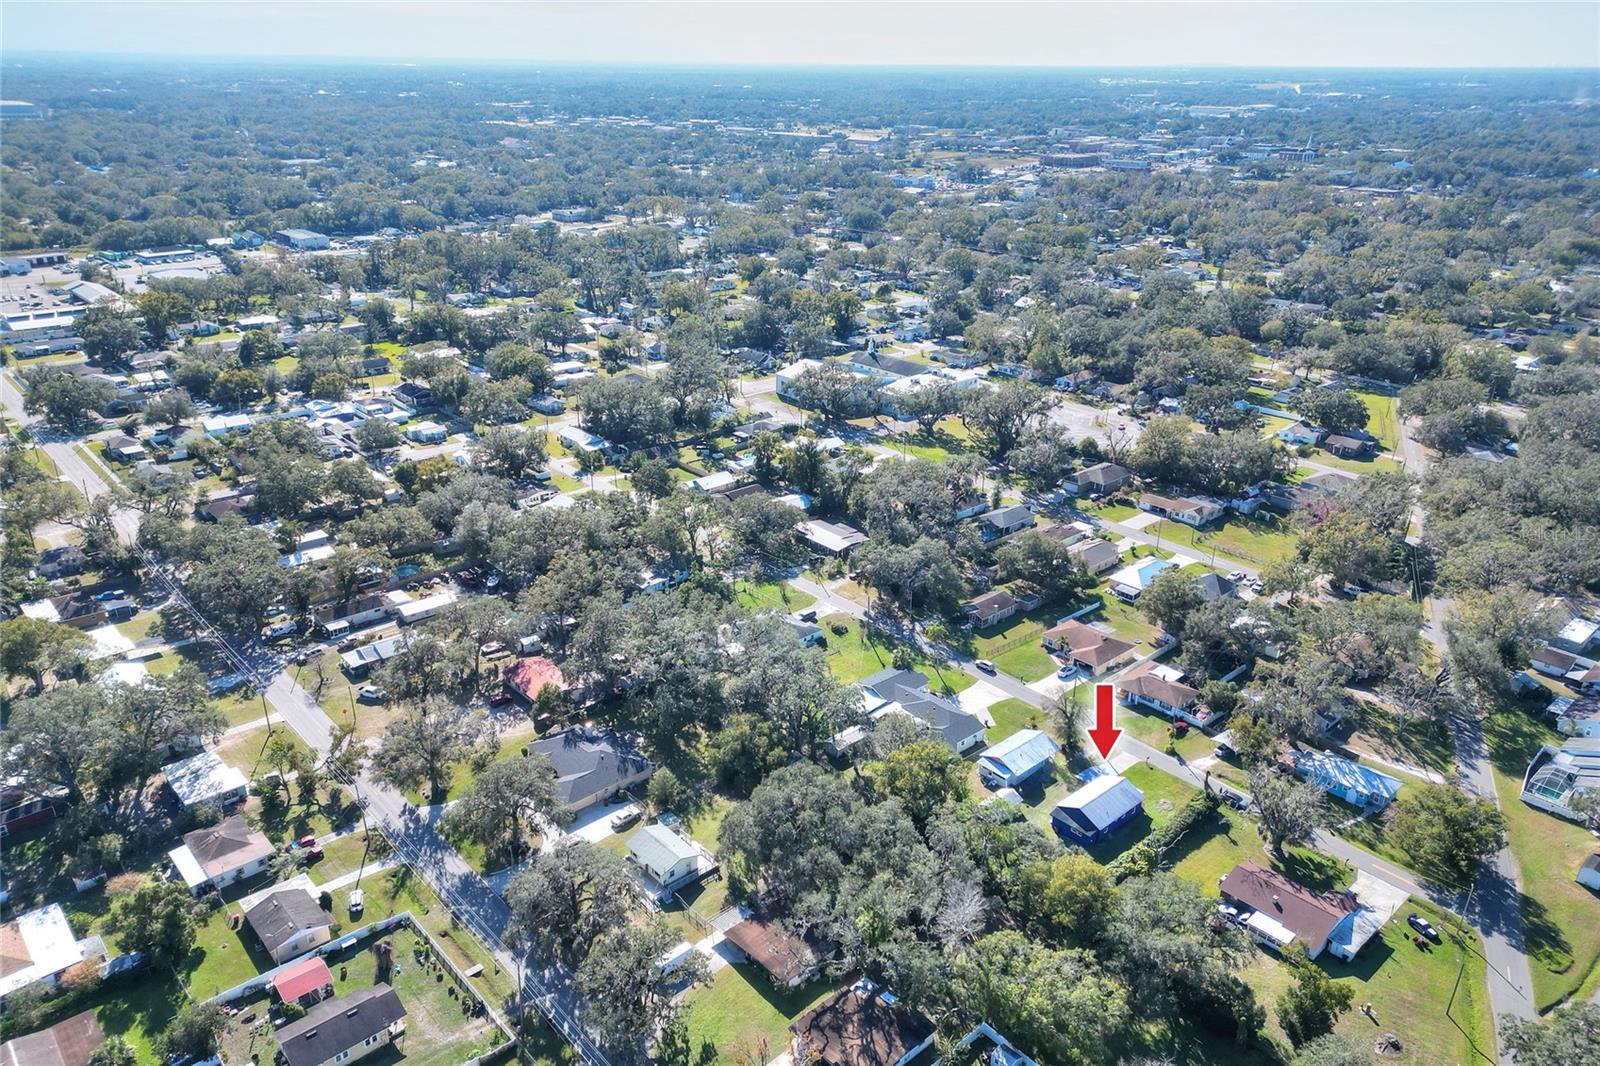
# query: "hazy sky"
{"type": "Point", "coordinates": [758, 32]}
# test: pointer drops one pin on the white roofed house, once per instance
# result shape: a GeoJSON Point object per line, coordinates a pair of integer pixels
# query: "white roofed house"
{"type": "Point", "coordinates": [667, 860]}
{"type": "Point", "coordinates": [205, 778]}
{"type": "Point", "coordinates": [37, 947]}
{"type": "Point", "coordinates": [830, 538]}
{"type": "Point", "coordinates": [1097, 809]}
{"type": "Point", "coordinates": [1016, 759]}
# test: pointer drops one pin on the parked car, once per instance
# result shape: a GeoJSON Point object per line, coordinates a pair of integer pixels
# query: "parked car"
{"type": "Point", "coordinates": [358, 900]}
{"type": "Point", "coordinates": [1236, 800]}
{"type": "Point", "coordinates": [1423, 926]}
{"type": "Point", "coordinates": [279, 630]}
{"type": "Point", "coordinates": [624, 820]}
{"type": "Point", "coordinates": [500, 699]}
{"type": "Point", "coordinates": [371, 694]}
{"type": "Point", "coordinates": [110, 594]}
{"type": "Point", "coordinates": [985, 665]}
{"type": "Point", "coordinates": [308, 844]}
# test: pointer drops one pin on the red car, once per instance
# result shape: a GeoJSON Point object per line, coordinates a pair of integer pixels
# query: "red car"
{"type": "Point", "coordinates": [500, 699]}
{"type": "Point", "coordinates": [309, 845]}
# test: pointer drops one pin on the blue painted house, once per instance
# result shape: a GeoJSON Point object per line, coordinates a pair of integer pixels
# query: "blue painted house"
{"type": "Point", "coordinates": [1103, 805]}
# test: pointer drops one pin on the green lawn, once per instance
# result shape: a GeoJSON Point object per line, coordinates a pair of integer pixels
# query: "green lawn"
{"type": "Point", "coordinates": [1011, 715]}
{"type": "Point", "coordinates": [1163, 795]}
{"type": "Point", "coordinates": [1259, 539]}
{"type": "Point", "coordinates": [1559, 915]}
{"type": "Point", "coordinates": [1212, 850]}
{"type": "Point", "coordinates": [1383, 418]}
{"type": "Point", "coordinates": [741, 1014]}
{"type": "Point", "coordinates": [759, 594]}
{"type": "Point", "coordinates": [855, 652]}
{"type": "Point", "coordinates": [140, 626]}
{"type": "Point", "coordinates": [1377, 464]}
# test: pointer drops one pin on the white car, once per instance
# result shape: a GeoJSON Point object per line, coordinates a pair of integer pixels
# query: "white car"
{"type": "Point", "coordinates": [371, 694]}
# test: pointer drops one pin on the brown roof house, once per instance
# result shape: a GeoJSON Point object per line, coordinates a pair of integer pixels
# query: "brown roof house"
{"type": "Point", "coordinates": [862, 1025]}
{"type": "Point", "coordinates": [221, 854]}
{"type": "Point", "coordinates": [1161, 688]}
{"type": "Point", "coordinates": [1085, 647]}
{"type": "Point", "coordinates": [788, 960]}
{"type": "Point", "coordinates": [990, 608]}
{"type": "Point", "coordinates": [67, 1043]}
{"type": "Point", "coordinates": [1278, 911]}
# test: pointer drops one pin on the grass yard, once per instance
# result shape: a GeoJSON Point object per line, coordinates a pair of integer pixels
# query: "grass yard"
{"type": "Point", "coordinates": [1206, 854]}
{"type": "Point", "coordinates": [1163, 795]}
{"type": "Point", "coordinates": [1559, 914]}
{"type": "Point", "coordinates": [246, 750]}
{"type": "Point", "coordinates": [1383, 417]}
{"type": "Point", "coordinates": [758, 594]}
{"type": "Point", "coordinates": [1011, 715]}
{"type": "Point", "coordinates": [740, 1013]}
{"type": "Point", "coordinates": [1377, 464]}
{"type": "Point", "coordinates": [855, 652]}
{"type": "Point", "coordinates": [222, 956]}
{"type": "Point", "coordinates": [138, 1009]}
{"type": "Point", "coordinates": [1427, 745]}
{"type": "Point", "coordinates": [1256, 539]}
{"type": "Point", "coordinates": [142, 626]}
{"type": "Point", "coordinates": [935, 447]}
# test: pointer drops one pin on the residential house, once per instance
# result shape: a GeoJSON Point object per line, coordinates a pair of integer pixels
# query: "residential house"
{"type": "Point", "coordinates": [1097, 809]}
{"type": "Point", "coordinates": [1068, 533]}
{"type": "Point", "coordinates": [341, 618]}
{"type": "Point", "coordinates": [591, 765]}
{"type": "Point", "coordinates": [1577, 717]}
{"type": "Point", "coordinates": [1559, 773]}
{"type": "Point", "coordinates": [1345, 779]}
{"type": "Point", "coordinates": [357, 662]}
{"type": "Point", "coordinates": [1096, 555]}
{"type": "Point", "coordinates": [1161, 689]}
{"type": "Point", "coordinates": [1016, 759]}
{"type": "Point", "coordinates": [426, 433]}
{"type": "Point", "coordinates": [892, 691]}
{"type": "Point", "coordinates": [1191, 511]}
{"type": "Point", "coordinates": [1131, 581]}
{"type": "Point", "coordinates": [788, 960]}
{"type": "Point", "coordinates": [289, 922]}
{"type": "Point", "coordinates": [1102, 478]}
{"type": "Point", "coordinates": [22, 807]}
{"type": "Point", "coordinates": [304, 983]}
{"type": "Point", "coordinates": [1004, 522]}
{"type": "Point", "coordinates": [659, 577]}
{"type": "Point", "coordinates": [63, 561]}
{"type": "Point", "coordinates": [862, 1025]}
{"type": "Point", "coordinates": [125, 449]}
{"type": "Point", "coordinates": [830, 538]}
{"type": "Point", "coordinates": [221, 854]}
{"type": "Point", "coordinates": [1553, 661]}
{"type": "Point", "coordinates": [344, 1028]}
{"type": "Point", "coordinates": [1578, 634]}
{"type": "Point", "coordinates": [809, 634]}
{"type": "Point", "coordinates": [37, 947]}
{"type": "Point", "coordinates": [990, 609]}
{"type": "Point", "coordinates": [1347, 447]}
{"type": "Point", "coordinates": [72, 1042]}
{"type": "Point", "coordinates": [1278, 911]}
{"type": "Point", "coordinates": [1301, 433]}
{"type": "Point", "coordinates": [529, 676]}
{"type": "Point", "coordinates": [668, 859]}
{"type": "Point", "coordinates": [205, 778]}
{"type": "Point", "coordinates": [1087, 648]}
{"type": "Point", "coordinates": [1214, 586]}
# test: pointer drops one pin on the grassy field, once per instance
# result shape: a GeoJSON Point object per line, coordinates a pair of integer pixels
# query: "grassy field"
{"type": "Point", "coordinates": [1383, 418]}
{"type": "Point", "coordinates": [759, 594]}
{"type": "Point", "coordinates": [855, 652]}
{"type": "Point", "coordinates": [1011, 715]}
{"type": "Point", "coordinates": [741, 1013]}
{"type": "Point", "coordinates": [1558, 913]}
{"type": "Point", "coordinates": [1259, 540]}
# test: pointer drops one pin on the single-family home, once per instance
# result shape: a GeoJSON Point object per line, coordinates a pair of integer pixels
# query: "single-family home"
{"type": "Point", "coordinates": [344, 1028]}
{"type": "Point", "coordinates": [1096, 555]}
{"type": "Point", "coordinates": [426, 432]}
{"type": "Point", "coordinates": [357, 662]}
{"type": "Point", "coordinates": [1301, 433]}
{"type": "Point", "coordinates": [591, 765]}
{"type": "Point", "coordinates": [1086, 647]}
{"type": "Point", "coordinates": [72, 1042]}
{"type": "Point", "coordinates": [1096, 809]}
{"type": "Point", "coordinates": [1068, 533]}
{"type": "Point", "coordinates": [289, 922]}
{"type": "Point", "coordinates": [1214, 586]}
{"type": "Point", "coordinates": [659, 577]}
{"type": "Point", "coordinates": [1578, 717]}
{"type": "Point", "coordinates": [125, 449]}
{"type": "Point", "coordinates": [830, 538]}
{"type": "Point", "coordinates": [1553, 661]}
{"type": "Point", "coordinates": [1559, 773]}
{"type": "Point", "coordinates": [36, 948]}
{"type": "Point", "coordinates": [715, 482]}
{"type": "Point", "coordinates": [1101, 478]}
{"type": "Point", "coordinates": [788, 960]}
{"type": "Point", "coordinates": [893, 691]}
{"type": "Point", "coordinates": [304, 983]}
{"type": "Point", "coordinates": [1278, 911]}
{"type": "Point", "coordinates": [1191, 511]}
{"type": "Point", "coordinates": [62, 561]}
{"type": "Point", "coordinates": [529, 676]}
{"type": "Point", "coordinates": [1345, 779]}
{"type": "Point", "coordinates": [667, 859]}
{"type": "Point", "coordinates": [990, 609]}
{"type": "Point", "coordinates": [1161, 688]}
{"type": "Point", "coordinates": [221, 854]}
{"type": "Point", "coordinates": [205, 778]}
{"type": "Point", "coordinates": [1130, 582]}
{"type": "Point", "coordinates": [862, 1025]}
{"type": "Point", "coordinates": [338, 619]}
{"type": "Point", "coordinates": [1016, 759]}
{"type": "Point", "coordinates": [1347, 447]}
{"type": "Point", "coordinates": [1004, 521]}
{"type": "Point", "coordinates": [1578, 634]}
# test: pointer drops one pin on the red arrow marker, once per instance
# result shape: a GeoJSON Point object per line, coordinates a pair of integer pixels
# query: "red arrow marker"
{"type": "Point", "coordinates": [1104, 734]}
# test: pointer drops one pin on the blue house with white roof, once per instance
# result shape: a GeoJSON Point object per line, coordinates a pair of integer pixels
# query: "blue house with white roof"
{"type": "Point", "coordinates": [1103, 805]}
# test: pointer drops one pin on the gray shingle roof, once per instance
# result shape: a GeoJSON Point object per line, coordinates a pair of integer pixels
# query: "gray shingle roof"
{"type": "Point", "coordinates": [337, 1024]}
